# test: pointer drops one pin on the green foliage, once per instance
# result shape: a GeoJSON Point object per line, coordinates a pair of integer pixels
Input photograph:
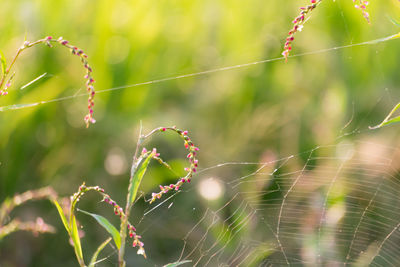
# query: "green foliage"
{"type": "Point", "coordinates": [62, 216]}
{"type": "Point", "coordinates": [137, 173]}
{"type": "Point", "coordinates": [107, 226]}
{"type": "Point", "coordinates": [3, 63]}
{"type": "Point", "coordinates": [97, 252]}
{"type": "Point", "coordinates": [388, 120]}
{"type": "Point", "coordinates": [237, 115]}
{"type": "Point", "coordinates": [177, 263]}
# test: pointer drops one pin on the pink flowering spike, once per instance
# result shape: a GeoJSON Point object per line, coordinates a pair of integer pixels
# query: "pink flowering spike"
{"type": "Point", "coordinates": [144, 150]}
{"type": "Point", "coordinates": [163, 129]}
{"type": "Point", "coordinates": [298, 25]}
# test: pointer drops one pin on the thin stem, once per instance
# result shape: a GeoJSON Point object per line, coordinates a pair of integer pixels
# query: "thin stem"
{"type": "Point", "coordinates": [75, 51]}
{"type": "Point", "coordinates": [71, 217]}
{"type": "Point", "coordinates": [124, 221]}
{"type": "Point", "coordinates": [22, 48]}
{"type": "Point", "coordinates": [139, 142]}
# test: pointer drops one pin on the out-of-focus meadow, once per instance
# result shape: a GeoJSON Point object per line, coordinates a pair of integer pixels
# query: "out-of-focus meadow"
{"type": "Point", "coordinates": [258, 113]}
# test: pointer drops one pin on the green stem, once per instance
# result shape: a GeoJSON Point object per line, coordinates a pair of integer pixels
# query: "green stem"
{"type": "Point", "coordinates": [22, 48]}
{"type": "Point", "coordinates": [124, 221]}
{"type": "Point", "coordinates": [71, 218]}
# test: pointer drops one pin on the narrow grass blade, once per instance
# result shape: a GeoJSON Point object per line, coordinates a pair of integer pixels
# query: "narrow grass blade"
{"type": "Point", "coordinates": [97, 252]}
{"type": "Point", "coordinates": [392, 20]}
{"type": "Point", "coordinates": [106, 225]}
{"type": "Point", "coordinates": [62, 216]}
{"type": "Point", "coordinates": [174, 264]}
{"type": "Point", "coordinates": [33, 81]}
{"type": "Point", "coordinates": [76, 239]}
{"type": "Point", "coordinates": [3, 63]}
{"type": "Point", "coordinates": [385, 123]}
{"type": "Point", "coordinates": [388, 120]}
{"type": "Point", "coordinates": [137, 176]}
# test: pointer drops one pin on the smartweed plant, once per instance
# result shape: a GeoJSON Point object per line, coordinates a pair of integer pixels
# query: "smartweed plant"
{"type": "Point", "coordinates": [138, 170]}
{"type": "Point", "coordinates": [67, 211]}
{"type": "Point", "coordinates": [10, 225]}
{"type": "Point", "coordinates": [7, 75]}
{"type": "Point", "coordinates": [298, 24]}
{"type": "Point", "coordinates": [304, 15]}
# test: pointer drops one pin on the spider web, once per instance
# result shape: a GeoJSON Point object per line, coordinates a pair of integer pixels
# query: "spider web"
{"type": "Point", "coordinates": [334, 205]}
{"type": "Point", "coordinates": [340, 208]}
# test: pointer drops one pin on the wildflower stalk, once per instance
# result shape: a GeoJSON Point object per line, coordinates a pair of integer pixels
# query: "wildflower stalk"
{"type": "Point", "coordinates": [138, 170]}
{"type": "Point", "coordinates": [70, 224]}
{"type": "Point", "coordinates": [139, 167]}
{"type": "Point", "coordinates": [303, 16]}
{"type": "Point", "coordinates": [298, 23]}
{"type": "Point", "coordinates": [7, 76]}
{"type": "Point", "coordinates": [9, 204]}
{"type": "Point", "coordinates": [39, 226]}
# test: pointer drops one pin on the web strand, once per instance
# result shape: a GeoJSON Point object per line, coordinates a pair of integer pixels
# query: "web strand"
{"type": "Point", "coordinates": [195, 74]}
{"type": "Point", "coordinates": [264, 216]}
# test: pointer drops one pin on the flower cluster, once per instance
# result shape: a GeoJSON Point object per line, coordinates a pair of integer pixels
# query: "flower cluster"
{"type": "Point", "coordinates": [190, 170]}
{"type": "Point", "coordinates": [75, 51]}
{"type": "Point", "coordinates": [37, 227]}
{"type": "Point", "coordinates": [4, 91]}
{"type": "Point", "coordinates": [362, 5]}
{"type": "Point", "coordinates": [89, 79]}
{"type": "Point", "coordinates": [298, 25]}
{"type": "Point", "coordinates": [132, 230]}
{"type": "Point", "coordinates": [299, 21]}
{"type": "Point", "coordinates": [82, 190]}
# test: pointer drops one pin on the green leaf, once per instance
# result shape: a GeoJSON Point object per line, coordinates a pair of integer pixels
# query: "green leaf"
{"type": "Point", "coordinates": [137, 176]}
{"type": "Point", "coordinates": [76, 239]}
{"type": "Point", "coordinates": [3, 63]}
{"type": "Point", "coordinates": [392, 20]}
{"type": "Point", "coordinates": [385, 123]}
{"type": "Point", "coordinates": [388, 120]}
{"type": "Point", "coordinates": [98, 250]}
{"type": "Point", "coordinates": [176, 263]}
{"type": "Point", "coordinates": [106, 225]}
{"type": "Point", "coordinates": [62, 216]}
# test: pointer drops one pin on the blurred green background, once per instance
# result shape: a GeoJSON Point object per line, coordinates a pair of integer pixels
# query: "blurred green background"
{"type": "Point", "coordinates": [236, 115]}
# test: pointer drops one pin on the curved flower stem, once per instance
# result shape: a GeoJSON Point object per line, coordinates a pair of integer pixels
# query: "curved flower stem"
{"type": "Point", "coordinates": [5, 81]}
{"type": "Point", "coordinates": [128, 207]}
